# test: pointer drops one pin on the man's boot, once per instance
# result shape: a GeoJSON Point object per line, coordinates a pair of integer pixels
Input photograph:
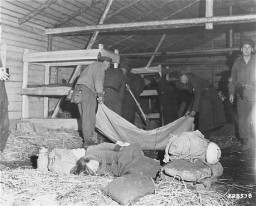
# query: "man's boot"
{"type": "Point", "coordinates": [88, 142]}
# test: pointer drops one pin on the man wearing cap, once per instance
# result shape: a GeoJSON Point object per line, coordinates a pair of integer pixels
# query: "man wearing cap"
{"type": "Point", "coordinates": [242, 83]}
{"type": "Point", "coordinates": [89, 89]}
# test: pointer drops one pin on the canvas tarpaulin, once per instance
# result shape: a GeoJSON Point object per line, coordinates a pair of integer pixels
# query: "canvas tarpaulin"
{"type": "Point", "coordinates": [117, 128]}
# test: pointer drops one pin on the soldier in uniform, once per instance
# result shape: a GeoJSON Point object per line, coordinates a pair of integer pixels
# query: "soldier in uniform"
{"type": "Point", "coordinates": [89, 89]}
{"type": "Point", "coordinates": [242, 83]}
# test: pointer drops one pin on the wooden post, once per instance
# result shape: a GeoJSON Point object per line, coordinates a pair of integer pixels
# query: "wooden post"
{"type": "Point", "coordinates": [209, 13]}
{"type": "Point", "coordinates": [116, 64]}
{"type": "Point", "coordinates": [46, 81]}
{"type": "Point", "coordinates": [231, 33]}
{"type": "Point", "coordinates": [24, 112]}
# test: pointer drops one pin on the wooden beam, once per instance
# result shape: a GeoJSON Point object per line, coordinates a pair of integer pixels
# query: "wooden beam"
{"type": "Point", "coordinates": [156, 25]}
{"type": "Point", "coordinates": [156, 49]}
{"type": "Point", "coordinates": [37, 11]}
{"type": "Point", "coordinates": [24, 111]}
{"type": "Point", "coordinates": [182, 53]}
{"type": "Point", "coordinates": [96, 33]}
{"type": "Point", "coordinates": [46, 91]}
{"type": "Point", "coordinates": [209, 13]}
{"type": "Point", "coordinates": [149, 70]}
{"type": "Point", "coordinates": [46, 81]}
{"type": "Point", "coordinates": [49, 42]}
{"type": "Point", "coordinates": [62, 56]}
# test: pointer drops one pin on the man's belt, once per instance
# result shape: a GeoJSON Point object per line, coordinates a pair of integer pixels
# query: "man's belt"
{"type": "Point", "coordinates": [109, 87]}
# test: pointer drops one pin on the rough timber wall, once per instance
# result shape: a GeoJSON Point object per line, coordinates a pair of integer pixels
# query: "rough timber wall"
{"type": "Point", "coordinates": [15, 39]}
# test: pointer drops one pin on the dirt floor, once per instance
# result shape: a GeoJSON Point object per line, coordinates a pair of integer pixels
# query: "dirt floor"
{"type": "Point", "coordinates": [237, 182]}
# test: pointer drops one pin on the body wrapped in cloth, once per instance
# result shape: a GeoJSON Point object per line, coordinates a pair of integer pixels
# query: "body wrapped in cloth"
{"type": "Point", "coordinates": [187, 145]}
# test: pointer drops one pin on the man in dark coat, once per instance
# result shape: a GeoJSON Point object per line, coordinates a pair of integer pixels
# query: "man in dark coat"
{"type": "Point", "coordinates": [136, 84]}
{"type": "Point", "coordinates": [206, 103]}
{"type": "Point", "coordinates": [167, 93]}
{"type": "Point", "coordinates": [114, 86]}
{"type": "Point", "coordinates": [243, 81]}
{"type": "Point", "coordinates": [4, 119]}
{"type": "Point", "coordinates": [89, 86]}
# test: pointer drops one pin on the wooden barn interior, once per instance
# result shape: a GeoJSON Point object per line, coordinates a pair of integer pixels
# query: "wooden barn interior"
{"type": "Point", "coordinates": [45, 42]}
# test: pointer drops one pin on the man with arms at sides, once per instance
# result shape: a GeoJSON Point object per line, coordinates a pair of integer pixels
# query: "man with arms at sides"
{"type": "Point", "coordinates": [242, 82]}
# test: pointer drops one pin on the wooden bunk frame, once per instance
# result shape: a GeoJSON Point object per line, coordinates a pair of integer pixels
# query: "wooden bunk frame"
{"type": "Point", "coordinates": [56, 58]}
{"type": "Point", "coordinates": [60, 58]}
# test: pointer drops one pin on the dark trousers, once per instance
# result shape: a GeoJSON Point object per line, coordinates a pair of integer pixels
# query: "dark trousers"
{"type": "Point", "coordinates": [244, 113]}
{"type": "Point", "coordinates": [211, 111]}
{"type": "Point", "coordinates": [4, 119]}
{"type": "Point", "coordinates": [129, 107]}
{"type": "Point", "coordinates": [112, 100]}
{"type": "Point", "coordinates": [87, 110]}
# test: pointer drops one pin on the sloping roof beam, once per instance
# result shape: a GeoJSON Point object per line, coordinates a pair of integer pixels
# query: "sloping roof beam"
{"type": "Point", "coordinates": [103, 17]}
{"type": "Point", "coordinates": [37, 11]}
{"type": "Point", "coordinates": [156, 49]}
{"type": "Point", "coordinates": [156, 25]}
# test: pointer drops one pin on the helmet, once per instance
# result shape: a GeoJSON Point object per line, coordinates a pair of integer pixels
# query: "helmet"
{"type": "Point", "coordinates": [213, 153]}
{"type": "Point", "coordinates": [249, 42]}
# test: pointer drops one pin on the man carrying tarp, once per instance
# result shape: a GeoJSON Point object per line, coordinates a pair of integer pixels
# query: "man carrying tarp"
{"type": "Point", "coordinates": [89, 86]}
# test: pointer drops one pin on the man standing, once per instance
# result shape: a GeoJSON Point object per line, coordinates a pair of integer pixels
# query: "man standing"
{"type": "Point", "coordinates": [89, 86]}
{"type": "Point", "coordinates": [4, 119]}
{"type": "Point", "coordinates": [114, 86]}
{"type": "Point", "coordinates": [136, 85]}
{"type": "Point", "coordinates": [242, 82]}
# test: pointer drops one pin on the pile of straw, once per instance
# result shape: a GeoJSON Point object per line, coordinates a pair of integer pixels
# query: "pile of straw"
{"type": "Point", "coordinates": [26, 186]}
{"type": "Point", "coordinates": [226, 142]}
{"type": "Point", "coordinates": [21, 146]}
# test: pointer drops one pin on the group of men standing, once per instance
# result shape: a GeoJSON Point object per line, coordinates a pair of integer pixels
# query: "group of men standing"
{"type": "Point", "coordinates": [114, 87]}
{"type": "Point", "coordinates": [100, 81]}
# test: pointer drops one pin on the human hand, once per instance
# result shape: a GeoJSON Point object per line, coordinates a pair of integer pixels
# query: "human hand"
{"type": "Point", "coordinates": [3, 74]}
{"type": "Point", "coordinates": [231, 98]}
{"type": "Point", "coordinates": [100, 100]}
{"type": "Point", "coordinates": [187, 113]}
{"type": "Point", "coordinates": [192, 114]}
{"type": "Point", "coordinates": [100, 97]}
{"type": "Point", "coordinates": [127, 87]}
